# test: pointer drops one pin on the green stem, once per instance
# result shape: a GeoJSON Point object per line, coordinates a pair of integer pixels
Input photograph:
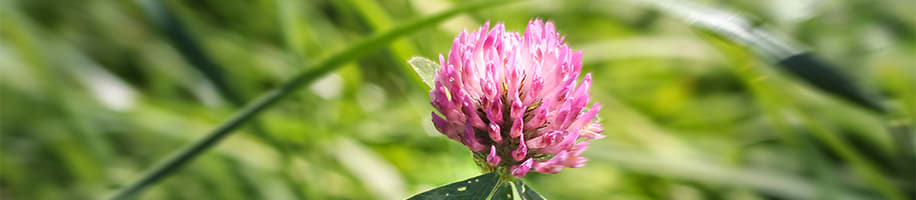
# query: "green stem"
{"type": "Point", "coordinates": [178, 159]}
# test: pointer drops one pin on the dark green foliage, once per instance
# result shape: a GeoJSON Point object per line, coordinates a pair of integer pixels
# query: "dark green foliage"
{"type": "Point", "coordinates": [822, 75]}
{"type": "Point", "coordinates": [526, 192]}
{"type": "Point", "coordinates": [478, 187]}
{"type": "Point", "coordinates": [482, 187]}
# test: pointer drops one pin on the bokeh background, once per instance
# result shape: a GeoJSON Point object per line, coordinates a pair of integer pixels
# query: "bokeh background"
{"type": "Point", "coordinates": [93, 92]}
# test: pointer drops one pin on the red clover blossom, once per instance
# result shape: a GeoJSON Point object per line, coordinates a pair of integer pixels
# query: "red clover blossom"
{"type": "Point", "coordinates": [514, 101]}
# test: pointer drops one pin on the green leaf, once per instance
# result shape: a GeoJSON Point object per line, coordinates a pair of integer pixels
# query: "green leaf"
{"type": "Point", "coordinates": [515, 190]}
{"type": "Point", "coordinates": [482, 187]}
{"type": "Point", "coordinates": [473, 188]}
{"type": "Point", "coordinates": [505, 191]}
{"type": "Point", "coordinates": [425, 68]}
{"type": "Point", "coordinates": [525, 192]}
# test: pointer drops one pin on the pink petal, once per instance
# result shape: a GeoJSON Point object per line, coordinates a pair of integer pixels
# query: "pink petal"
{"type": "Point", "coordinates": [521, 152]}
{"type": "Point", "coordinates": [494, 132]}
{"type": "Point", "coordinates": [516, 130]}
{"type": "Point", "coordinates": [522, 169]}
{"type": "Point", "coordinates": [470, 139]}
{"type": "Point", "coordinates": [543, 140]}
{"type": "Point", "coordinates": [443, 127]}
{"type": "Point", "coordinates": [493, 159]}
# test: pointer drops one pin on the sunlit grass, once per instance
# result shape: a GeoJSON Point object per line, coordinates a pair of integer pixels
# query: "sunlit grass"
{"type": "Point", "coordinates": [684, 118]}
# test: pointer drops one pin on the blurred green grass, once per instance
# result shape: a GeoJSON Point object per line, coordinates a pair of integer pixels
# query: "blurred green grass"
{"type": "Point", "coordinates": [92, 93]}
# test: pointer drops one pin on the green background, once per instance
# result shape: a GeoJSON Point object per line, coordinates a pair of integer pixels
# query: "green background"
{"type": "Point", "coordinates": [93, 92]}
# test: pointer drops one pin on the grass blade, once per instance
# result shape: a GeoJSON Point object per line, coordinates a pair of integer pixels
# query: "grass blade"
{"type": "Point", "coordinates": [175, 161]}
{"type": "Point", "coordinates": [770, 182]}
{"type": "Point", "coordinates": [824, 76]}
{"type": "Point", "coordinates": [844, 149]}
{"type": "Point", "coordinates": [793, 60]}
{"type": "Point", "coordinates": [376, 16]}
{"type": "Point", "coordinates": [189, 47]}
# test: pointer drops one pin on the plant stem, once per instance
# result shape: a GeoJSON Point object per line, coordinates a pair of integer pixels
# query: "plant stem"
{"type": "Point", "coordinates": [165, 167]}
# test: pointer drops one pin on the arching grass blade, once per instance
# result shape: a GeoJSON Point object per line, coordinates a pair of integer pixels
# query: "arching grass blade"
{"type": "Point", "coordinates": [175, 161]}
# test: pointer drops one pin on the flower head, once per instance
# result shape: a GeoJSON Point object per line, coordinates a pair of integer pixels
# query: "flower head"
{"type": "Point", "coordinates": [515, 100]}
